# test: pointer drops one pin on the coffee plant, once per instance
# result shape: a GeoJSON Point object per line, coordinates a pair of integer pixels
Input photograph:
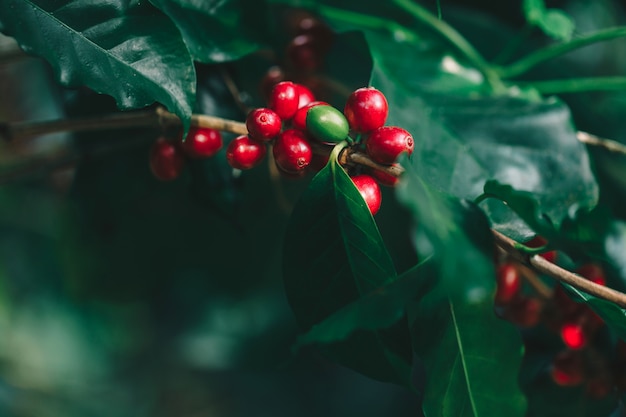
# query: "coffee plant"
{"type": "Point", "coordinates": [281, 207]}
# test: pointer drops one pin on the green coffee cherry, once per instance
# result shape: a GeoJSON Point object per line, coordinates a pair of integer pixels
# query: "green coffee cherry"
{"type": "Point", "coordinates": [327, 124]}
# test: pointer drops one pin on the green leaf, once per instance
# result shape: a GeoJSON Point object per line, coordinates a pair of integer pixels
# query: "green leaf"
{"type": "Point", "coordinates": [376, 310]}
{"type": "Point", "coordinates": [131, 53]}
{"type": "Point", "coordinates": [557, 24]}
{"type": "Point", "coordinates": [471, 358]}
{"type": "Point", "coordinates": [333, 254]}
{"type": "Point", "coordinates": [461, 142]}
{"type": "Point", "coordinates": [580, 225]}
{"type": "Point", "coordinates": [611, 313]}
{"type": "Point", "coordinates": [215, 31]}
{"type": "Point", "coordinates": [533, 9]}
{"type": "Point", "coordinates": [332, 243]}
{"type": "Point", "coordinates": [455, 232]}
{"type": "Point", "coordinates": [553, 22]}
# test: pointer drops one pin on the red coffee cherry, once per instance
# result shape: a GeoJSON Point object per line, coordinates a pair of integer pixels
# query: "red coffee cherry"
{"type": "Point", "coordinates": [202, 142]}
{"type": "Point", "coordinates": [166, 159]}
{"type": "Point", "coordinates": [305, 96]}
{"type": "Point", "coordinates": [284, 99]}
{"type": "Point", "coordinates": [370, 191]}
{"type": "Point", "coordinates": [593, 273]}
{"type": "Point", "coordinates": [263, 124]}
{"type": "Point", "coordinates": [304, 54]}
{"type": "Point", "coordinates": [244, 152]}
{"type": "Point", "coordinates": [386, 143]}
{"type": "Point", "coordinates": [366, 110]}
{"type": "Point", "coordinates": [292, 152]}
{"type": "Point", "coordinates": [508, 283]}
{"type": "Point", "coordinates": [299, 119]}
{"type": "Point", "coordinates": [524, 311]}
{"type": "Point", "coordinates": [567, 369]}
{"type": "Point", "coordinates": [573, 335]}
{"type": "Point", "coordinates": [301, 22]}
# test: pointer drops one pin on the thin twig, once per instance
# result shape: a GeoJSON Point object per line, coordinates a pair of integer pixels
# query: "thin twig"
{"type": "Point", "coordinates": [538, 285]}
{"type": "Point", "coordinates": [608, 144]}
{"type": "Point", "coordinates": [541, 265]}
{"type": "Point", "coordinates": [160, 118]}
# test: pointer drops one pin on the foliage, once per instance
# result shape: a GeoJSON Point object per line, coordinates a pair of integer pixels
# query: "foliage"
{"type": "Point", "coordinates": [406, 297]}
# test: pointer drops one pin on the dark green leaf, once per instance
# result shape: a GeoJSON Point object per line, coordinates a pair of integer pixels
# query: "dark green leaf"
{"type": "Point", "coordinates": [333, 251]}
{"type": "Point", "coordinates": [461, 142]}
{"type": "Point", "coordinates": [333, 254]}
{"type": "Point", "coordinates": [215, 31]}
{"type": "Point", "coordinates": [131, 53]}
{"type": "Point", "coordinates": [376, 310]}
{"type": "Point", "coordinates": [580, 226]}
{"type": "Point", "coordinates": [455, 232]}
{"type": "Point", "coordinates": [471, 357]}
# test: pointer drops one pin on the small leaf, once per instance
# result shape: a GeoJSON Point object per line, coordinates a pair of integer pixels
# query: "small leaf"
{"type": "Point", "coordinates": [131, 53]}
{"type": "Point", "coordinates": [533, 10]}
{"type": "Point", "coordinates": [553, 22]}
{"type": "Point", "coordinates": [557, 24]}
{"type": "Point", "coordinates": [471, 357]}
{"type": "Point", "coordinates": [214, 31]}
{"type": "Point", "coordinates": [333, 254]}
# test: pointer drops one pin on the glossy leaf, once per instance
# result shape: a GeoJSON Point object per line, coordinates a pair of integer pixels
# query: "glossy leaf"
{"type": "Point", "coordinates": [471, 358]}
{"type": "Point", "coordinates": [464, 135]}
{"type": "Point", "coordinates": [580, 226]}
{"type": "Point", "coordinates": [462, 141]}
{"type": "Point", "coordinates": [553, 22]}
{"type": "Point", "coordinates": [455, 232]}
{"type": "Point", "coordinates": [215, 31]}
{"type": "Point", "coordinates": [333, 254]}
{"type": "Point", "coordinates": [129, 52]}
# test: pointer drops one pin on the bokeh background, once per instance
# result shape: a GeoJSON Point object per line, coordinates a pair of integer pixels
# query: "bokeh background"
{"type": "Point", "coordinates": [124, 296]}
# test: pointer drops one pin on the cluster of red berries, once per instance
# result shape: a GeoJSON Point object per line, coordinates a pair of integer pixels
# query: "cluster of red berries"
{"type": "Point", "coordinates": [576, 324]}
{"type": "Point", "coordinates": [168, 156]}
{"type": "Point", "coordinates": [296, 124]}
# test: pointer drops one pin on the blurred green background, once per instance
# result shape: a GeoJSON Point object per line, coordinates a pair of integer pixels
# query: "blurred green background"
{"type": "Point", "coordinates": [124, 296]}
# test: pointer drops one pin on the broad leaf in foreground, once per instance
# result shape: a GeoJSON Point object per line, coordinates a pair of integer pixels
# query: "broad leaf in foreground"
{"type": "Point", "coordinates": [471, 357]}
{"type": "Point", "coordinates": [214, 31]}
{"type": "Point", "coordinates": [131, 53]}
{"type": "Point", "coordinates": [333, 254]}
